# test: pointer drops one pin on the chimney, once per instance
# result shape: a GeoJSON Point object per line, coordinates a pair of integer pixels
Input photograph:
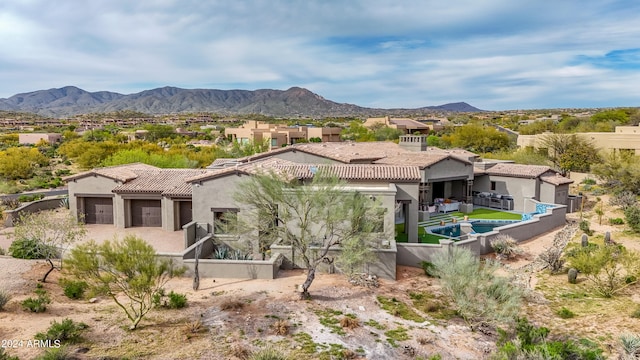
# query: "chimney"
{"type": "Point", "coordinates": [413, 142]}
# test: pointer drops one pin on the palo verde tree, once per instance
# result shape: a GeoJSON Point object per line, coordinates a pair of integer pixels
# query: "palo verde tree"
{"type": "Point", "coordinates": [609, 268]}
{"type": "Point", "coordinates": [50, 233]}
{"type": "Point", "coordinates": [128, 267]}
{"type": "Point", "coordinates": [313, 218]}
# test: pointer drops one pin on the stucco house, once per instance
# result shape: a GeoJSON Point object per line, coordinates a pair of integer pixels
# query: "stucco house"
{"type": "Point", "coordinates": [407, 177]}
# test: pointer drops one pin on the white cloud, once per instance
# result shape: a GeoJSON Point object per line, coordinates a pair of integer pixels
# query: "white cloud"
{"type": "Point", "coordinates": [494, 54]}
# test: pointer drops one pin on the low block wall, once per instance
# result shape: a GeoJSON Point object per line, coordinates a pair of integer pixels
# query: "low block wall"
{"type": "Point", "coordinates": [11, 216]}
{"type": "Point", "coordinates": [383, 267]}
{"type": "Point", "coordinates": [540, 224]}
{"type": "Point", "coordinates": [229, 269]}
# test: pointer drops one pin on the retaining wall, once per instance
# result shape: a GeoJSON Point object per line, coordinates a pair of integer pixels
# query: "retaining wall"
{"type": "Point", "coordinates": [11, 216]}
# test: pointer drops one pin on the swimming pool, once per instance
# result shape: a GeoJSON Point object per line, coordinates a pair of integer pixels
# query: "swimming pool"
{"type": "Point", "coordinates": [477, 226]}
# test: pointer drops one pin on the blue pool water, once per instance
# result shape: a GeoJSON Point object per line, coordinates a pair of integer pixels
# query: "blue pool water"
{"type": "Point", "coordinates": [476, 226]}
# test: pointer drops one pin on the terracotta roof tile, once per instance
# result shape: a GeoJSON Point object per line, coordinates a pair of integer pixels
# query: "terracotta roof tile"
{"type": "Point", "coordinates": [121, 173]}
{"type": "Point", "coordinates": [292, 170]}
{"type": "Point", "coordinates": [170, 182]}
{"type": "Point", "coordinates": [555, 179]}
{"type": "Point", "coordinates": [421, 159]}
{"type": "Point", "coordinates": [517, 170]}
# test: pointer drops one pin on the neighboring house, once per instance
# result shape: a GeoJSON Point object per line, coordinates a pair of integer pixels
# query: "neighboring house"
{"type": "Point", "coordinates": [34, 138]}
{"type": "Point", "coordinates": [409, 178]}
{"type": "Point", "coordinates": [407, 126]}
{"type": "Point", "coordinates": [278, 135]}
{"type": "Point", "coordinates": [625, 138]}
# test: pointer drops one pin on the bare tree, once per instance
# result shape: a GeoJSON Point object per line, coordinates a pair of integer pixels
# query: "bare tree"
{"type": "Point", "coordinates": [313, 218]}
{"type": "Point", "coordinates": [53, 231]}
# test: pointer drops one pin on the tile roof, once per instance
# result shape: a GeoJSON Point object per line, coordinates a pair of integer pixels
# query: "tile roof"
{"type": "Point", "coordinates": [121, 173]}
{"type": "Point", "coordinates": [420, 159]}
{"type": "Point", "coordinates": [517, 170]}
{"type": "Point", "coordinates": [168, 182]}
{"type": "Point", "coordinates": [408, 123]}
{"type": "Point", "coordinates": [305, 171]}
{"type": "Point", "coordinates": [555, 179]}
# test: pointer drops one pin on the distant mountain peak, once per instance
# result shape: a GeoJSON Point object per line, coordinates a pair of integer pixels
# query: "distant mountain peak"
{"type": "Point", "coordinates": [293, 102]}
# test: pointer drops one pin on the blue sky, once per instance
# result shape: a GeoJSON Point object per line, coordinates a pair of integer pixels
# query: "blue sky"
{"type": "Point", "coordinates": [493, 54]}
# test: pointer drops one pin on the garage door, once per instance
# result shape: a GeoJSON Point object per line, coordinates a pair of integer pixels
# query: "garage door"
{"type": "Point", "coordinates": [146, 213]}
{"type": "Point", "coordinates": [98, 210]}
{"type": "Point", "coordinates": [186, 214]}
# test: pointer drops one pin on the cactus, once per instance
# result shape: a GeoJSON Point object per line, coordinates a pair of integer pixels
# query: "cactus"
{"type": "Point", "coordinates": [585, 240]}
{"type": "Point", "coordinates": [607, 237]}
{"type": "Point", "coordinates": [573, 275]}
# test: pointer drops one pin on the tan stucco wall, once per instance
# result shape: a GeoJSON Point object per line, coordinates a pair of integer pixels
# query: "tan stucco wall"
{"type": "Point", "coordinates": [446, 170]}
{"type": "Point", "coordinates": [625, 137]}
{"type": "Point", "coordinates": [91, 186]}
{"type": "Point", "coordinates": [519, 188]}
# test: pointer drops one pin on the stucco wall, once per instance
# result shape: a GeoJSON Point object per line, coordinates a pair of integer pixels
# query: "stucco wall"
{"type": "Point", "coordinates": [520, 188]}
{"type": "Point", "coordinates": [11, 216]}
{"type": "Point", "coordinates": [409, 192]}
{"type": "Point", "coordinates": [384, 266]}
{"type": "Point", "coordinates": [92, 186]}
{"type": "Point", "coordinates": [448, 169]}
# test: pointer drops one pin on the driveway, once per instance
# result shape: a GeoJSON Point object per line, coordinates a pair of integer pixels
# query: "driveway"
{"type": "Point", "coordinates": [163, 241]}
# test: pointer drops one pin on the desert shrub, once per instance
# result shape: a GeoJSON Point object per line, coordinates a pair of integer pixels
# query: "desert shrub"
{"type": "Point", "coordinates": [10, 204]}
{"type": "Point", "coordinates": [270, 353]}
{"type": "Point", "coordinates": [505, 246]}
{"type": "Point", "coordinates": [194, 327]}
{"type": "Point", "coordinates": [349, 322]}
{"type": "Point", "coordinates": [630, 345]}
{"type": "Point", "coordinates": [428, 268]}
{"type": "Point", "coordinates": [29, 198]}
{"type": "Point", "coordinates": [532, 342]}
{"type": "Point", "coordinates": [5, 356]}
{"type": "Point", "coordinates": [478, 294]}
{"type": "Point", "coordinates": [39, 303]}
{"type": "Point", "coordinates": [177, 301]}
{"type": "Point", "coordinates": [585, 227]}
{"type": "Point", "coordinates": [27, 249]}
{"type": "Point", "coordinates": [589, 181]}
{"type": "Point", "coordinates": [4, 299]}
{"type": "Point", "coordinates": [632, 215]}
{"type": "Point", "coordinates": [280, 327]}
{"type": "Point", "coordinates": [552, 258]}
{"type": "Point", "coordinates": [565, 313]}
{"type": "Point", "coordinates": [61, 353]}
{"type": "Point", "coordinates": [230, 305]}
{"type": "Point", "coordinates": [623, 199]}
{"type": "Point", "coordinates": [73, 289]}
{"type": "Point", "coordinates": [65, 331]}
{"type": "Point", "coordinates": [172, 300]}
{"type": "Point", "coordinates": [609, 268]}
{"type": "Point", "coordinates": [616, 221]}
{"type": "Point", "coordinates": [636, 313]}
{"type": "Point", "coordinates": [2, 251]}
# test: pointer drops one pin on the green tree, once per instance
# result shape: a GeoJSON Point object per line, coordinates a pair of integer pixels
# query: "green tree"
{"type": "Point", "coordinates": [384, 133]}
{"type": "Point", "coordinates": [309, 217]}
{"type": "Point", "coordinates": [357, 132]}
{"type": "Point", "coordinates": [157, 132]}
{"type": "Point", "coordinates": [478, 294]}
{"type": "Point", "coordinates": [570, 152]}
{"type": "Point", "coordinates": [129, 268]}
{"type": "Point", "coordinates": [632, 215]}
{"type": "Point", "coordinates": [53, 233]}
{"type": "Point", "coordinates": [609, 268]}
{"type": "Point", "coordinates": [21, 162]}
{"type": "Point", "coordinates": [479, 138]}
{"type": "Point", "coordinates": [620, 171]}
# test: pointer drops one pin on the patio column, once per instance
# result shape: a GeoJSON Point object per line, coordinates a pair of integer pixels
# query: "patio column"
{"type": "Point", "coordinates": [469, 191]}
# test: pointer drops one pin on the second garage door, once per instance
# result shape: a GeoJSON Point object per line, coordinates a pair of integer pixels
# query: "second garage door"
{"type": "Point", "coordinates": [146, 213]}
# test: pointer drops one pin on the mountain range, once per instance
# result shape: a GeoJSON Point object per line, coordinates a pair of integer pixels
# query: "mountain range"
{"type": "Point", "coordinates": [294, 102]}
